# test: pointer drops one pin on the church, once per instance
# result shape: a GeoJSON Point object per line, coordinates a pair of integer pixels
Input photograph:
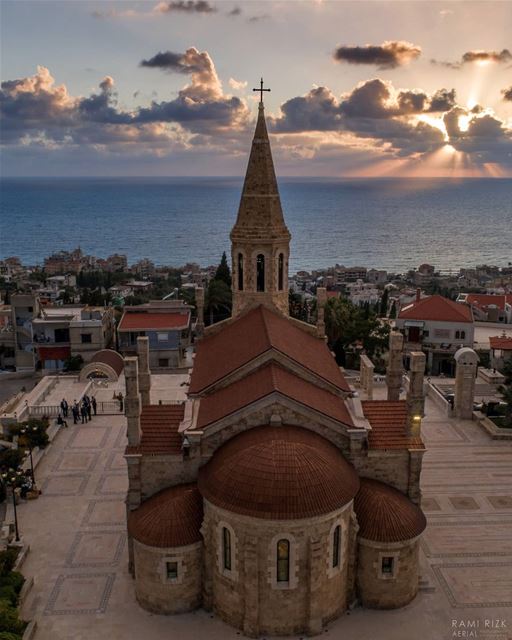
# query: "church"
{"type": "Point", "coordinates": [273, 496]}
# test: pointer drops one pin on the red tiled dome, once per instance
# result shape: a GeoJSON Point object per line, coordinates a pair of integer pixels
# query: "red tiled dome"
{"type": "Point", "coordinates": [277, 473]}
{"type": "Point", "coordinates": [170, 518]}
{"type": "Point", "coordinates": [385, 514]}
{"type": "Point", "coordinates": [110, 358]}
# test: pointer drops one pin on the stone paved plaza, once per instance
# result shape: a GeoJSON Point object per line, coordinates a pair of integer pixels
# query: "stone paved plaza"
{"type": "Point", "coordinates": [78, 556]}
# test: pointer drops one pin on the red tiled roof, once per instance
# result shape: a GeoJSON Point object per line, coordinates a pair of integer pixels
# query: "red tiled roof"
{"type": "Point", "coordinates": [483, 300]}
{"type": "Point", "coordinates": [141, 321]}
{"type": "Point", "coordinates": [436, 308]}
{"type": "Point", "coordinates": [500, 342]}
{"type": "Point", "coordinates": [170, 518]}
{"type": "Point", "coordinates": [253, 334]}
{"type": "Point", "coordinates": [159, 424]}
{"type": "Point", "coordinates": [388, 420]}
{"type": "Point", "coordinates": [384, 514]}
{"type": "Point", "coordinates": [110, 357]}
{"type": "Point", "coordinates": [278, 473]}
{"type": "Point", "coordinates": [53, 353]}
{"type": "Point", "coordinates": [261, 383]}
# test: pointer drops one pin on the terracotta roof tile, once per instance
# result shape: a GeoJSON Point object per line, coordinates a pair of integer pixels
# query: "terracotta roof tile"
{"type": "Point", "coordinates": [170, 518]}
{"type": "Point", "coordinates": [500, 342]}
{"type": "Point", "coordinates": [436, 308]}
{"type": "Point", "coordinates": [263, 382]}
{"type": "Point", "coordinates": [484, 300]}
{"type": "Point", "coordinates": [384, 514]}
{"type": "Point", "coordinates": [278, 473]}
{"type": "Point", "coordinates": [141, 321]}
{"type": "Point", "coordinates": [388, 421]}
{"type": "Point", "coordinates": [159, 424]}
{"type": "Point", "coordinates": [110, 357]}
{"type": "Point", "coordinates": [253, 334]}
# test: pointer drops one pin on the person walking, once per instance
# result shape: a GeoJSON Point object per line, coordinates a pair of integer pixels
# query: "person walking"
{"type": "Point", "coordinates": [89, 410]}
{"type": "Point", "coordinates": [64, 407]}
{"type": "Point", "coordinates": [94, 404]}
{"type": "Point", "coordinates": [76, 412]}
{"type": "Point", "coordinates": [83, 413]}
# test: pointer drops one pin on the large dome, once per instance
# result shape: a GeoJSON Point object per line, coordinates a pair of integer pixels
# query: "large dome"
{"type": "Point", "coordinates": [279, 473]}
{"type": "Point", "coordinates": [385, 514]}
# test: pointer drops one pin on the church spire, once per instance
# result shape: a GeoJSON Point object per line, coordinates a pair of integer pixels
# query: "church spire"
{"type": "Point", "coordinates": [260, 239]}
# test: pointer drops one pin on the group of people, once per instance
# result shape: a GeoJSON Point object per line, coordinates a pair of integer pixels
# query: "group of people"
{"type": "Point", "coordinates": [83, 410]}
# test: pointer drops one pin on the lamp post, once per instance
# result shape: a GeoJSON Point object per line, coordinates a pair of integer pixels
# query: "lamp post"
{"type": "Point", "coordinates": [27, 432]}
{"type": "Point", "coordinates": [11, 478]}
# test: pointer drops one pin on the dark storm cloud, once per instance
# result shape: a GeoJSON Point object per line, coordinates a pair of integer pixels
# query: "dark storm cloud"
{"type": "Point", "coordinates": [186, 6]}
{"type": "Point", "coordinates": [388, 55]}
{"type": "Point", "coordinates": [479, 55]}
{"type": "Point", "coordinates": [169, 61]}
{"type": "Point", "coordinates": [507, 93]}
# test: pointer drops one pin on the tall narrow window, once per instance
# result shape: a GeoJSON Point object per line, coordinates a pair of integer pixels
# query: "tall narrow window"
{"type": "Point", "coordinates": [280, 272]}
{"type": "Point", "coordinates": [240, 272]}
{"type": "Point", "coordinates": [260, 272]}
{"type": "Point", "coordinates": [226, 548]}
{"type": "Point", "coordinates": [336, 546]}
{"type": "Point", "coordinates": [388, 566]}
{"type": "Point", "coordinates": [283, 560]}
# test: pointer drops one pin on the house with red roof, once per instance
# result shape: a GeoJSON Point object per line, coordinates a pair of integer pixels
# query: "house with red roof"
{"type": "Point", "coordinates": [489, 307]}
{"type": "Point", "coordinates": [439, 327]}
{"type": "Point", "coordinates": [167, 324]}
{"type": "Point", "coordinates": [501, 350]}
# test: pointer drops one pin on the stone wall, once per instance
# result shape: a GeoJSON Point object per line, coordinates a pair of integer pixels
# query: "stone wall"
{"type": "Point", "coordinates": [158, 594]}
{"type": "Point", "coordinates": [160, 472]}
{"type": "Point", "coordinates": [378, 591]}
{"type": "Point", "coordinates": [249, 596]}
{"type": "Point", "coordinates": [391, 467]}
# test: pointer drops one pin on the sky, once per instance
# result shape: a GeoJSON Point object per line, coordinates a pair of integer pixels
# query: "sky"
{"type": "Point", "coordinates": [164, 87]}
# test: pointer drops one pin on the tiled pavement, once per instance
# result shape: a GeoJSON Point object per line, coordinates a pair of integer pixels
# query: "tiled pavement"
{"type": "Point", "coordinates": [83, 591]}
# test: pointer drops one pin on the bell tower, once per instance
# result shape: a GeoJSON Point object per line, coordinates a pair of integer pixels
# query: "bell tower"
{"type": "Point", "coordinates": [260, 240]}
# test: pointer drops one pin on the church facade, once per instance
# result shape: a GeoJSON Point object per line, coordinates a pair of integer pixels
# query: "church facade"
{"type": "Point", "coordinates": [272, 496]}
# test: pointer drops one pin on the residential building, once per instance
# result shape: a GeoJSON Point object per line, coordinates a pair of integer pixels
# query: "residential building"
{"type": "Point", "coordinates": [488, 307]}
{"type": "Point", "coordinates": [167, 324]}
{"type": "Point", "coordinates": [361, 293]}
{"type": "Point", "coordinates": [377, 276]}
{"type": "Point", "coordinates": [501, 350]}
{"type": "Point", "coordinates": [439, 327]}
{"type": "Point", "coordinates": [24, 309]}
{"type": "Point", "coordinates": [61, 332]}
{"type": "Point", "coordinates": [424, 275]}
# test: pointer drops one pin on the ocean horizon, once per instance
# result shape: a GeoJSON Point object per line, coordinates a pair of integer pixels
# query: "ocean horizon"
{"type": "Point", "coordinates": [387, 223]}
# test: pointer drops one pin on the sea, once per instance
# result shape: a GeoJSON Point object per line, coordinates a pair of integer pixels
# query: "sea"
{"type": "Point", "coordinates": [392, 224]}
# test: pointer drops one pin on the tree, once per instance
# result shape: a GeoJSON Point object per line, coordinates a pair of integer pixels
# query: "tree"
{"type": "Point", "coordinates": [507, 371]}
{"type": "Point", "coordinates": [223, 273]}
{"type": "Point", "coordinates": [73, 363]}
{"type": "Point", "coordinates": [218, 300]}
{"type": "Point", "coordinates": [383, 307]}
{"type": "Point", "coordinates": [506, 394]}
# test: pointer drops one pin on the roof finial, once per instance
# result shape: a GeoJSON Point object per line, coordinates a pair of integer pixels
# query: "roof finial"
{"type": "Point", "coordinates": [261, 90]}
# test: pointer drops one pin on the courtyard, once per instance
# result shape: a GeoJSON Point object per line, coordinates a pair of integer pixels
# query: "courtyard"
{"type": "Point", "coordinates": [78, 558]}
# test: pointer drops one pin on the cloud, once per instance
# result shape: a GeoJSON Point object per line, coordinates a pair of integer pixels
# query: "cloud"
{"type": "Point", "coordinates": [477, 56]}
{"type": "Point", "coordinates": [398, 121]}
{"type": "Point", "coordinates": [185, 6]}
{"type": "Point", "coordinates": [170, 62]}
{"type": "Point", "coordinates": [388, 55]}
{"type": "Point", "coordinates": [507, 93]}
{"type": "Point", "coordinates": [237, 84]}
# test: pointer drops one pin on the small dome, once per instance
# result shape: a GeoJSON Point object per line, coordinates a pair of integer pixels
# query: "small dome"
{"type": "Point", "coordinates": [110, 358]}
{"type": "Point", "coordinates": [280, 472]}
{"type": "Point", "coordinates": [170, 518]}
{"type": "Point", "coordinates": [385, 514]}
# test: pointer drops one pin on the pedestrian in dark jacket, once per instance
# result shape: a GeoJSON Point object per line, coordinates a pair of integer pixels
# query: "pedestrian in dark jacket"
{"type": "Point", "coordinates": [64, 407]}
{"type": "Point", "coordinates": [76, 413]}
{"type": "Point", "coordinates": [83, 413]}
{"type": "Point", "coordinates": [89, 410]}
{"type": "Point", "coordinates": [94, 404]}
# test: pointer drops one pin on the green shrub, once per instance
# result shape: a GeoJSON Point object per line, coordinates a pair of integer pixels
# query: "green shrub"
{"type": "Point", "coordinates": [11, 458]}
{"type": "Point", "coordinates": [9, 619]}
{"type": "Point", "coordinates": [14, 580]}
{"type": "Point", "coordinates": [7, 561]}
{"type": "Point", "coordinates": [8, 594]}
{"type": "Point", "coordinates": [7, 635]}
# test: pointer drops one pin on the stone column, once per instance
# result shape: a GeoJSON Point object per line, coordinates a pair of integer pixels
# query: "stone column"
{"type": "Point", "coordinates": [395, 365]}
{"type": "Point", "coordinates": [465, 377]}
{"type": "Point", "coordinates": [366, 375]}
{"type": "Point", "coordinates": [144, 372]}
{"type": "Point", "coordinates": [415, 397]}
{"type": "Point", "coordinates": [321, 299]}
{"type": "Point", "coordinates": [132, 400]}
{"type": "Point", "coordinates": [316, 577]}
{"type": "Point", "coordinates": [251, 587]}
{"type": "Point", "coordinates": [200, 311]}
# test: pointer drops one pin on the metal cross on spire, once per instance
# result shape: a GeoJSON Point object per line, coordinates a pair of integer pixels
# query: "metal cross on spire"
{"type": "Point", "coordinates": [261, 90]}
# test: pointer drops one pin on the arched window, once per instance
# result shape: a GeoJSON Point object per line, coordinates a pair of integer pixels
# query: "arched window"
{"type": "Point", "coordinates": [336, 539]}
{"type": "Point", "coordinates": [260, 272]}
{"type": "Point", "coordinates": [280, 272]}
{"type": "Point", "coordinates": [283, 560]}
{"type": "Point", "coordinates": [226, 548]}
{"type": "Point", "coordinates": [457, 335]}
{"type": "Point", "coordinates": [240, 272]}
{"type": "Point", "coordinates": [462, 335]}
